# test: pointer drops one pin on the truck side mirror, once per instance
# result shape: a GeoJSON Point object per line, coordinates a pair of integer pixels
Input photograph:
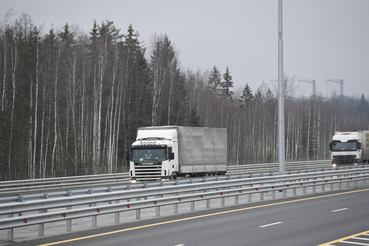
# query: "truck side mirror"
{"type": "Point", "coordinates": [128, 157]}
{"type": "Point", "coordinates": [330, 146]}
{"type": "Point", "coordinates": [171, 155]}
{"type": "Point", "coordinates": [358, 145]}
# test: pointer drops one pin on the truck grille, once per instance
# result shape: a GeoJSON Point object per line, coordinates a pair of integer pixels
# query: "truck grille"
{"type": "Point", "coordinates": [345, 158]}
{"type": "Point", "coordinates": [148, 172]}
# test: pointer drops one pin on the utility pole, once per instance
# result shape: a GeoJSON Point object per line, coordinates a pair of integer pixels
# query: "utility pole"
{"type": "Point", "coordinates": [281, 140]}
{"type": "Point", "coordinates": [311, 81]}
{"type": "Point", "coordinates": [338, 81]}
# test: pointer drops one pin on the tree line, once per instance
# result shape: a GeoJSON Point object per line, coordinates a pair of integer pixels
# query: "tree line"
{"type": "Point", "coordinates": [72, 101]}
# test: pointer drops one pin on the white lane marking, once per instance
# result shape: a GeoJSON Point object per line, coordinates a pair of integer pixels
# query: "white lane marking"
{"type": "Point", "coordinates": [337, 210]}
{"type": "Point", "coordinates": [180, 245]}
{"type": "Point", "coordinates": [276, 223]}
{"type": "Point", "coordinates": [361, 238]}
{"type": "Point", "coordinates": [354, 243]}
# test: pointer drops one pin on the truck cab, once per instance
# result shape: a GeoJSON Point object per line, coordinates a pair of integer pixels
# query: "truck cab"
{"type": "Point", "coordinates": [154, 157]}
{"type": "Point", "coordinates": [346, 148]}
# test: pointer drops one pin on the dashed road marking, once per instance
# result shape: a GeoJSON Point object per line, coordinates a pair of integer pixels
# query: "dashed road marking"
{"type": "Point", "coordinates": [272, 224]}
{"type": "Point", "coordinates": [337, 210]}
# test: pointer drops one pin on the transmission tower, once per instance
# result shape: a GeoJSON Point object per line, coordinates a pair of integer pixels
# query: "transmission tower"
{"type": "Point", "coordinates": [338, 81]}
{"type": "Point", "coordinates": [310, 81]}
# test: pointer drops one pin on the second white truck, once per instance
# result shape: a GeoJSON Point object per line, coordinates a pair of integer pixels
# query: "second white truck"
{"type": "Point", "coordinates": [350, 147]}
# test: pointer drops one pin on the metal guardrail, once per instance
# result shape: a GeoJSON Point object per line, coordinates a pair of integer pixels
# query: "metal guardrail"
{"type": "Point", "coordinates": [86, 188]}
{"type": "Point", "coordinates": [67, 208]}
{"type": "Point", "coordinates": [273, 167]}
{"type": "Point", "coordinates": [65, 183]}
{"type": "Point", "coordinates": [44, 185]}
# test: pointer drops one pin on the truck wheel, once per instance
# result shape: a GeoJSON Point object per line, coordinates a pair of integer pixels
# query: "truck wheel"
{"type": "Point", "coordinates": [173, 176]}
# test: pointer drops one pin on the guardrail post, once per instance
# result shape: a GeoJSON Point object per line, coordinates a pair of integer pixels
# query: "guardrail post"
{"type": "Point", "coordinates": [138, 211]}
{"type": "Point", "coordinates": [93, 217]}
{"type": "Point", "coordinates": [69, 222]}
{"type": "Point", "coordinates": [176, 208]}
{"type": "Point", "coordinates": [261, 196]}
{"type": "Point", "coordinates": [273, 194]}
{"type": "Point", "coordinates": [192, 206]}
{"type": "Point", "coordinates": [41, 227]}
{"type": "Point", "coordinates": [157, 208]}
{"type": "Point", "coordinates": [10, 231]}
{"type": "Point", "coordinates": [284, 193]}
{"type": "Point", "coordinates": [294, 191]}
{"type": "Point", "coordinates": [222, 201]}
{"type": "Point", "coordinates": [20, 199]}
{"type": "Point", "coordinates": [304, 190]}
{"type": "Point", "coordinates": [249, 197]}
{"type": "Point", "coordinates": [117, 214]}
{"type": "Point", "coordinates": [208, 203]}
{"type": "Point", "coordinates": [94, 220]}
{"type": "Point", "coordinates": [146, 186]}
{"type": "Point", "coordinates": [128, 188]}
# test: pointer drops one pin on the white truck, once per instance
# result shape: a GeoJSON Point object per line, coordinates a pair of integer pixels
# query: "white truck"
{"type": "Point", "coordinates": [349, 147]}
{"type": "Point", "coordinates": [168, 152]}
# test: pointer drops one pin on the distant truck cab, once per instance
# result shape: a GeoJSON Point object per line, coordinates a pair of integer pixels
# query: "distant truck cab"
{"type": "Point", "coordinates": [168, 152]}
{"type": "Point", "coordinates": [349, 147]}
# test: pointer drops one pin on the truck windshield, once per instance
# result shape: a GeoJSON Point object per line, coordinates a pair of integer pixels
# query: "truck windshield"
{"type": "Point", "coordinates": [348, 146]}
{"type": "Point", "coordinates": [149, 154]}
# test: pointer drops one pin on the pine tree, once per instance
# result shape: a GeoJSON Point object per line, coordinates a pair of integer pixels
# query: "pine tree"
{"type": "Point", "coordinates": [194, 118]}
{"type": "Point", "coordinates": [214, 81]}
{"type": "Point", "coordinates": [246, 97]}
{"type": "Point", "coordinates": [227, 84]}
{"type": "Point", "coordinates": [361, 107]}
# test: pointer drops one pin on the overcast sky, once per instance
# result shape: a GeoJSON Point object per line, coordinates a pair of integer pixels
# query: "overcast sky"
{"type": "Point", "coordinates": [323, 39]}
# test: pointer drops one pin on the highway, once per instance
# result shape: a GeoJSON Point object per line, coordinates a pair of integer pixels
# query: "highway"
{"type": "Point", "coordinates": [304, 220]}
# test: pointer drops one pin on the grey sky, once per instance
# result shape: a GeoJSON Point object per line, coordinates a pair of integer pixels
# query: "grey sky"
{"type": "Point", "coordinates": [323, 39]}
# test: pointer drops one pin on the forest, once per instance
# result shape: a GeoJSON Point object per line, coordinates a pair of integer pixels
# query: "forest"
{"type": "Point", "coordinates": [71, 102]}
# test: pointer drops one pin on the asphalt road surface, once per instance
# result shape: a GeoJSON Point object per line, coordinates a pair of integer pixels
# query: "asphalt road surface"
{"type": "Point", "coordinates": [305, 220]}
